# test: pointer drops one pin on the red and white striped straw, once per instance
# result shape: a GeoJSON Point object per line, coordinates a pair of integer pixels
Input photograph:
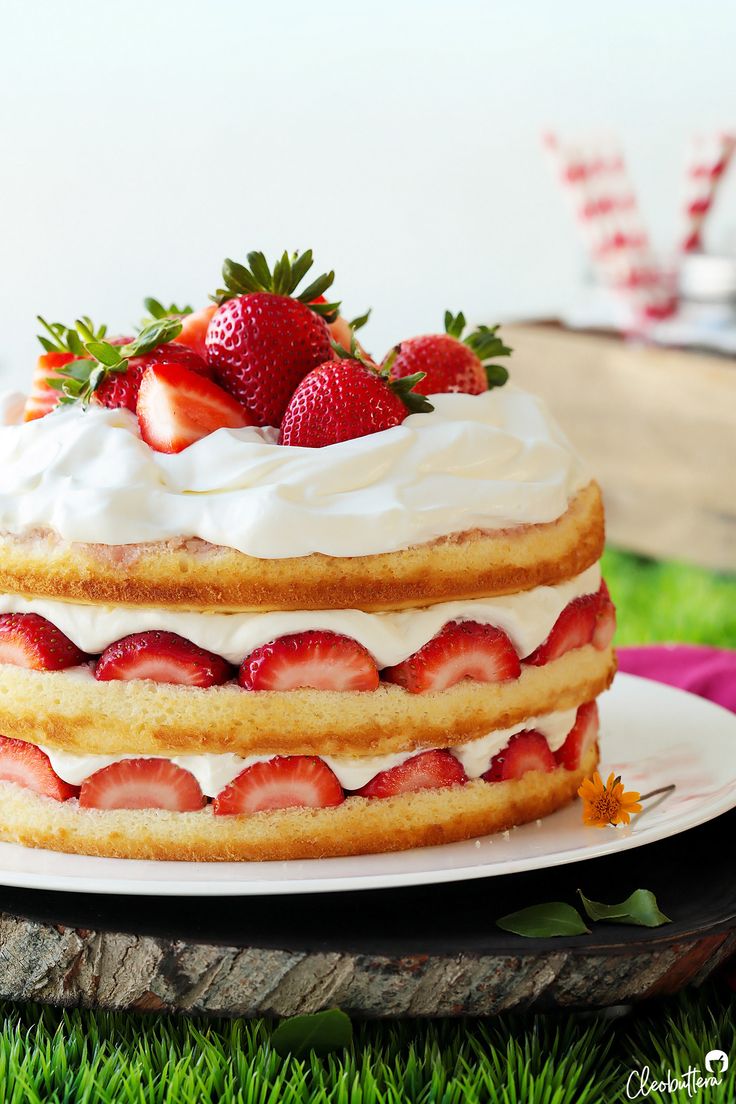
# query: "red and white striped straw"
{"type": "Point", "coordinates": [596, 180]}
{"type": "Point", "coordinates": [708, 159]}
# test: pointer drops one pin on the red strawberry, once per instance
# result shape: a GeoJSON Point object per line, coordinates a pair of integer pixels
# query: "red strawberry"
{"type": "Point", "coordinates": [581, 736]}
{"type": "Point", "coordinates": [28, 766]}
{"type": "Point", "coordinates": [317, 659]}
{"type": "Point", "coordinates": [430, 770]}
{"type": "Point", "coordinates": [162, 657]}
{"type": "Point", "coordinates": [344, 399]}
{"type": "Point", "coordinates": [142, 784]}
{"type": "Point", "coordinates": [29, 640]}
{"type": "Point", "coordinates": [605, 623]}
{"type": "Point", "coordinates": [526, 751]}
{"type": "Point", "coordinates": [285, 782]}
{"type": "Point", "coordinates": [450, 363]}
{"type": "Point", "coordinates": [42, 398]}
{"type": "Point", "coordinates": [177, 407]}
{"type": "Point", "coordinates": [120, 389]}
{"type": "Point", "coordinates": [573, 629]}
{"type": "Point", "coordinates": [462, 649]}
{"type": "Point", "coordinates": [194, 329]}
{"type": "Point", "coordinates": [264, 339]}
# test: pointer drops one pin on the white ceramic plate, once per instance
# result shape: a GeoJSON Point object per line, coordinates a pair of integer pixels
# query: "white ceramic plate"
{"type": "Point", "coordinates": [652, 735]}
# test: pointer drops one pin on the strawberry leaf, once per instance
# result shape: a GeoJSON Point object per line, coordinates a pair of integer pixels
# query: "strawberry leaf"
{"type": "Point", "coordinates": [156, 310]}
{"type": "Point", "coordinates": [301, 265]}
{"type": "Point", "coordinates": [159, 332]}
{"type": "Point", "coordinates": [66, 339]}
{"type": "Point", "coordinates": [261, 271]}
{"type": "Point", "coordinates": [359, 322]}
{"type": "Point", "coordinates": [413, 400]}
{"type": "Point", "coordinates": [109, 355]}
{"type": "Point", "coordinates": [485, 343]}
{"type": "Point", "coordinates": [496, 375]}
{"type": "Point", "coordinates": [322, 1032]}
{"type": "Point", "coordinates": [317, 287]}
{"type": "Point", "coordinates": [326, 311]}
{"type": "Point", "coordinates": [640, 909]}
{"type": "Point", "coordinates": [454, 324]}
{"type": "Point", "coordinates": [287, 275]}
{"type": "Point", "coordinates": [542, 921]}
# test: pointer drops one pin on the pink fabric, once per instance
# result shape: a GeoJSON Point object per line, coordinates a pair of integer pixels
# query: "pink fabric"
{"type": "Point", "coordinates": [709, 672]}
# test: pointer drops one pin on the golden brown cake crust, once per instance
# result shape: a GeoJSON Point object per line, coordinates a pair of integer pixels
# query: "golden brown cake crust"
{"type": "Point", "coordinates": [73, 712]}
{"type": "Point", "coordinates": [195, 575]}
{"type": "Point", "coordinates": [358, 826]}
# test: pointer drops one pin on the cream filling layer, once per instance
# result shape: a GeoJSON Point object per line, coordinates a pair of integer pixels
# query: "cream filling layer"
{"type": "Point", "coordinates": [527, 618]}
{"type": "Point", "coordinates": [215, 772]}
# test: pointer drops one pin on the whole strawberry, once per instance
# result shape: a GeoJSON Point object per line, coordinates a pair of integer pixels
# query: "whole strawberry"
{"type": "Point", "coordinates": [109, 372]}
{"type": "Point", "coordinates": [264, 338]}
{"type": "Point", "coordinates": [347, 398]}
{"type": "Point", "coordinates": [451, 363]}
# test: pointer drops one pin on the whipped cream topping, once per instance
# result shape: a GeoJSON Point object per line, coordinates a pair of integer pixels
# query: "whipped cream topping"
{"type": "Point", "coordinates": [214, 772]}
{"type": "Point", "coordinates": [489, 461]}
{"type": "Point", "coordinates": [526, 618]}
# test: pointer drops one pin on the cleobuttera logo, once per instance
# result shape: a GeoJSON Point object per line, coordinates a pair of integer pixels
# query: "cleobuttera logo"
{"type": "Point", "coordinates": [642, 1083]}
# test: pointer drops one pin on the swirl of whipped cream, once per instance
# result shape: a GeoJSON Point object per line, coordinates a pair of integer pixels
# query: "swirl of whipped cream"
{"type": "Point", "coordinates": [489, 461]}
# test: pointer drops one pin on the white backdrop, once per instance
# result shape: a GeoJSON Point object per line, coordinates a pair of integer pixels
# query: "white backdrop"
{"type": "Point", "coordinates": [144, 141]}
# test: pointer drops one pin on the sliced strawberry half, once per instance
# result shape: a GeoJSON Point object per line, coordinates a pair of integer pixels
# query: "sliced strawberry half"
{"type": "Point", "coordinates": [142, 784]}
{"type": "Point", "coordinates": [582, 735]}
{"type": "Point", "coordinates": [29, 640]}
{"type": "Point", "coordinates": [573, 629]}
{"type": "Point", "coordinates": [317, 659]}
{"type": "Point", "coordinates": [526, 751]}
{"type": "Point", "coordinates": [177, 407]}
{"type": "Point", "coordinates": [161, 657]}
{"type": "Point", "coordinates": [28, 766]}
{"type": "Point", "coordinates": [430, 770]}
{"type": "Point", "coordinates": [605, 622]}
{"type": "Point", "coordinates": [462, 649]}
{"type": "Point", "coordinates": [285, 782]}
{"type": "Point", "coordinates": [194, 329]}
{"type": "Point", "coordinates": [43, 398]}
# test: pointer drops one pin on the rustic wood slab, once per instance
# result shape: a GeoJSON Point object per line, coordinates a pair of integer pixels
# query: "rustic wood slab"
{"type": "Point", "coordinates": [430, 951]}
{"type": "Point", "coordinates": [658, 427]}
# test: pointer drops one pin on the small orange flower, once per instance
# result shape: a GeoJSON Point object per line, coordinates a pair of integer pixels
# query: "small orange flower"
{"type": "Point", "coordinates": [603, 805]}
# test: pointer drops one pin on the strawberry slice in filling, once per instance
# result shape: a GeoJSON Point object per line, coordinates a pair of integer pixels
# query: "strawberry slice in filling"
{"type": "Point", "coordinates": [284, 782]}
{"type": "Point", "coordinates": [462, 649]}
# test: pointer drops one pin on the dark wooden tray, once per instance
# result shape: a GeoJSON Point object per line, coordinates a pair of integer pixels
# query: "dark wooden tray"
{"type": "Point", "coordinates": [429, 951]}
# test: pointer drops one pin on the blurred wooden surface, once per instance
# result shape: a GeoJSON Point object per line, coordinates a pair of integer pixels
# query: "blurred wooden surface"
{"type": "Point", "coordinates": [658, 427]}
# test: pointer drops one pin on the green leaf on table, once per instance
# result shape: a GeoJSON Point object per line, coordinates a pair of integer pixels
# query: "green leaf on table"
{"type": "Point", "coordinates": [538, 921]}
{"type": "Point", "coordinates": [322, 1032]}
{"type": "Point", "coordinates": [640, 908]}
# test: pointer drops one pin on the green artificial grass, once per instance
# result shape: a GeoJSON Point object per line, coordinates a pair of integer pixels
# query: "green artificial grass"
{"type": "Point", "coordinates": [79, 1057]}
{"type": "Point", "coordinates": [668, 601]}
